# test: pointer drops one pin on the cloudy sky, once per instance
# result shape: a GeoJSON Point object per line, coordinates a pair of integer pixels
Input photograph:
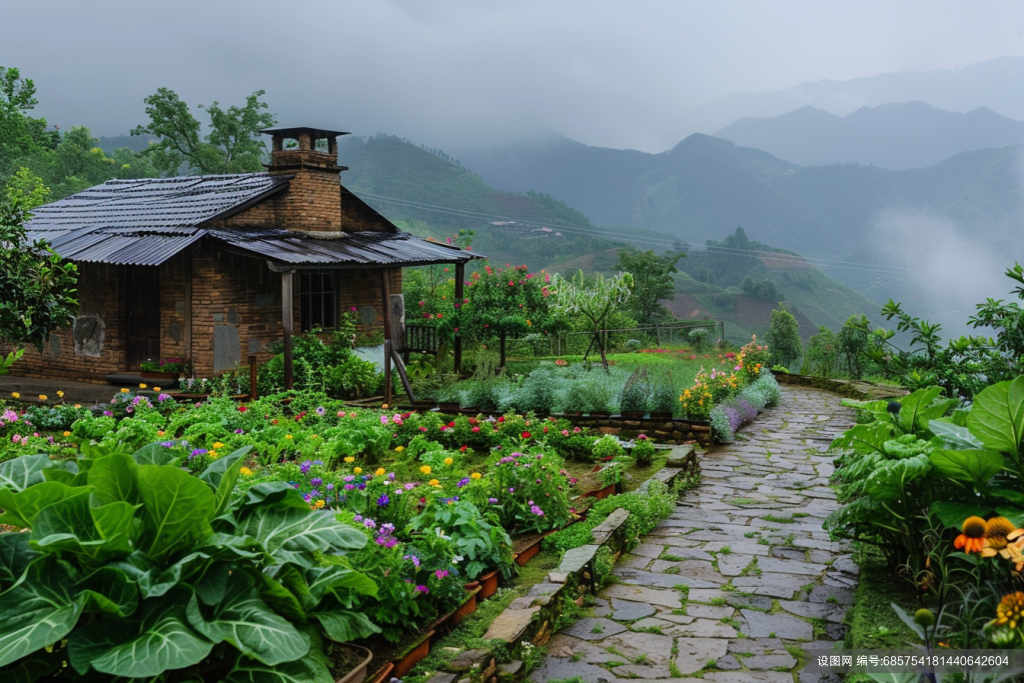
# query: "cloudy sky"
{"type": "Point", "coordinates": [443, 72]}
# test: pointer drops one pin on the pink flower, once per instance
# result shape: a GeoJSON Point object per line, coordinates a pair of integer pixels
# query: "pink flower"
{"type": "Point", "coordinates": [341, 413]}
{"type": "Point", "coordinates": [565, 432]}
{"type": "Point", "coordinates": [383, 419]}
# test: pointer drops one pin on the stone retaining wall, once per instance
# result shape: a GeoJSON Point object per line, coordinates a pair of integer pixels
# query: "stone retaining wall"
{"type": "Point", "coordinates": [857, 389]}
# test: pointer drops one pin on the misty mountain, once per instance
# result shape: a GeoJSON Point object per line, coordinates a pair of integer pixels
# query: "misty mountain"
{"type": "Point", "coordinates": [894, 136]}
{"type": "Point", "coordinates": [996, 83]}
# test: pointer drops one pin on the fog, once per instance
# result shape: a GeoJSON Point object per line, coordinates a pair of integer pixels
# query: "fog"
{"type": "Point", "coordinates": [457, 72]}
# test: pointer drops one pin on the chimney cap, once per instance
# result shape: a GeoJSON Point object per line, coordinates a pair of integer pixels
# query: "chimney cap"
{"type": "Point", "coordinates": [294, 131]}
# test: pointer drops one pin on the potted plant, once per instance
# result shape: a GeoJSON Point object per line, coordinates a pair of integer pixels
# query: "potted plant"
{"type": "Point", "coordinates": [488, 584]}
{"type": "Point", "coordinates": [167, 369]}
{"type": "Point", "coordinates": [349, 662]}
{"type": "Point", "coordinates": [664, 398]}
{"type": "Point", "coordinates": [633, 401]}
{"type": "Point", "coordinates": [643, 451]}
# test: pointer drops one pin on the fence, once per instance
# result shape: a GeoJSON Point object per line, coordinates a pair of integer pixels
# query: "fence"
{"type": "Point", "coordinates": [665, 334]}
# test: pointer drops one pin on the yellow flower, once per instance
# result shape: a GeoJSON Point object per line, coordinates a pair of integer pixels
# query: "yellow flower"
{"type": "Point", "coordinates": [78, 405]}
{"type": "Point", "coordinates": [434, 482]}
{"type": "Point", "coordinates": [15, 394]}
{"type": "Point", "coordinates": [320, 503]}
{"type": "Point", "coordinates": [475, 475]}
{"type": "Point", "coordinates": [245, 471]}
{"type": "Point", "coordinates": [218, 444]}
{"type": "Point", "coordinates": [528, 322]}
{"type": "Point", "coordinates": [448, 461]}
{"type": "Point", "coordinates": [399, 449]}
{"type": "Point", "coordinates": [67, 434]}
{"type": "Point", "coordinates": [1010, 611]}
{"type": "Point", "coordinates": [142, 385]}
{"type": "Point", "coordinates": [124, 390]}
{"type": "Point", "coordinates": [358, 470]}
{"type": "Point", "coordinates": [156, 388]}
{"type": "Point", "coordinates": [384, 405]}
{"type": "Point", "coordinates": [350, 460]}
{"type": "Point", "coordinates": [42, 397]}
{"type": "Point", "coordinates": [380, 472]}
{"type": "Point", "coordinates": [60, 394]}
{"type": "Point", "coordinates": [287, 436]}
{"type": "Point", "coordinates": [425, 469]}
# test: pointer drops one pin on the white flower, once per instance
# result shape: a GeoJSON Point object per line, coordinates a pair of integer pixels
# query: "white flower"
{"type": "Point", "coordinates": [457, 559]}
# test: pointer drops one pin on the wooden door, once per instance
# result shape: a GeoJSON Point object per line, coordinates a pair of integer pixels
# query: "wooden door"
{"type": "Point", "coordinates": [142, 314]}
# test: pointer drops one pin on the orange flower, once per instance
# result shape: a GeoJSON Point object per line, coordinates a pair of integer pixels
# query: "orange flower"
{"type": "Point", "coordinates": [1000, 537]}
{"type": "Point", "coordinates": [973, 537]}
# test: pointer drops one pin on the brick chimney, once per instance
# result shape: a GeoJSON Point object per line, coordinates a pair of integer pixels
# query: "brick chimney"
{"type": "Point", "coordinates": [312, 202]}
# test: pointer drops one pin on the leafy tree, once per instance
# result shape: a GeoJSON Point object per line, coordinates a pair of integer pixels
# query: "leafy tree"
{"type": "Point", "coordinates": [38, 286]}
{"type": "Point", "coordinates": [652, 281]}
{"type": "Point", "coordinates": [233, 144]}
{"type": "Point", "coordinates": [784, 338]}
{"type": "Point", "coordinates": [822, 356]}
{"type": "Point", "coordinates": [20, 134]}
{"type": "Point", "coordinates": [593, 302]}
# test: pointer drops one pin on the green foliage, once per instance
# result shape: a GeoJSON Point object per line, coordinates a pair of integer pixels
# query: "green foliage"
{"type": "Point", "coordinates": [635, 392]}
{"type": "Point", "coordinates": [593, 302]}
{"type": "Point", "coordinates": [652, 282]}
{"type": "Point", "coordinates": [477, 535]}
{"type": "Point", "coordinates": [20, 134]}
{"type": "Point", "coordinates": [38, 286]}
{"type": "Point", "coordinates": [233, 144]}
{"type": "Point", "coordinates": [134, 569]}
{"type": "Point", "coordinates": [784, 338]}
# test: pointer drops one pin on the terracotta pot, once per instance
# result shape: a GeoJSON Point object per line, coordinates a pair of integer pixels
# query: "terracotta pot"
{"type": "Point", "coordinates": [382, 673]}
{"type": "Point", "coordinates": [358, 674]}
{"type": "Point", "coordinates": [472, 585]}
{"type": "Point", "coordinates": [467, 608]}
{"type": "Point", "coordinates": [661, 414]}
{"type": "Point", "coordinates": [413, 656]}
{"type": "Point", "coordinates": [165, 376]}
{"type": "Point", "coordinates": [527, 553]}
{"type": "Point", "coordinates": [488, 584]}
{"type": "Point", "coordinates": [601, 494]}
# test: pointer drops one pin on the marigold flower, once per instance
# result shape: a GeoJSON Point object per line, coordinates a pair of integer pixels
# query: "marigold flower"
{"type": "Point", "coordinates": [60, 394]}
{"type": "Point", "coordinates": [218, 444]}
{"type": "Point", "coordinates": [380, 472]}
{"type": "Point", "coordinates": [425, 469]}
{"type": "Point", "coordinates": [350, 459]}
{"type": "Point", "coordinates": [448, 461]}
{"type": "Point", "coordinates": [287, 436]}
{"type": "Point", "coordinates": [973, 537]}
{"type": "Point", "coordinates": [1010, 611]}
{"type": "Point", "coordinates": [42, 397]}
{"type": "Point", "coordinates": [245, 471]}
{"type": "Point", "coordinates": [159, 433]}
{"type": "Point", "coordinates": [15, 394]}
{"type": "Point", "coordinates": [124, 390]}
{"type": "Point", "coordinates": [67, 434]}
{"type": "Point", "coordinates": [475, 475]}
{"type": "Point", "coordinates": [399, 449]}
{"type": "Point", "coordinates": [357, 470]}
{"type": "Point", "coordinates": [320, 503]}
{"type": "Point", "coordinates": [434, 482]}
{"type": "Point", "coordinates": [142, 385]}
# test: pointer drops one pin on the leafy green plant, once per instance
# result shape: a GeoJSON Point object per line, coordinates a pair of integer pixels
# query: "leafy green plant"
{"type": "Point", "coordinates": [477, 535]}
{"type": "Point", "coordinates": [643, 451]}
{"type": "Point", "coordinates": [635, 392]}
{"type": "Point", "coordinates": [134, 568]}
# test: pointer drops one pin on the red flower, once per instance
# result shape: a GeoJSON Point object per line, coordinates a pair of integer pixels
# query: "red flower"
{"type": "Point", "coordinates": [242, 409]}
{"type": "Point", "coordinates": [545, 430]}
{"type": "Point", "coordinates": [463, 449]}
{"type": "Point", "coordinates": [526, 435]}
{"type": "Point", "coordinates": [501, 419]}
{"type": "Point", "coordinates": [273, 422]}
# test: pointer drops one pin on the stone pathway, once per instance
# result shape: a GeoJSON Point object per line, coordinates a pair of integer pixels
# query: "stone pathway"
{"type": "Point", "coordinates": [740, 579]}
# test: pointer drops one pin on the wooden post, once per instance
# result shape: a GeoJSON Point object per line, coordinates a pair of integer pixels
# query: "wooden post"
{"type": "Point", "coordinates": [253, 391]}
{"type": "Point", "coordinates": [460, 276]}
{"type": "Point", "coordinates": [501, 361]}
{"type": "Point", "coordinates": [385, 289]}
{"type": "Point", "coordinates": [287, 301]}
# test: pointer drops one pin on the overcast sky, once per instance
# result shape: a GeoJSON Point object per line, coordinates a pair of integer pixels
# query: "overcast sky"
{"type": "Point", "coordinates": [616, 74]}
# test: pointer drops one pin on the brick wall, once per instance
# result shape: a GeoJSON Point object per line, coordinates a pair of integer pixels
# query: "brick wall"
{"type": "Point", "coordinates": [99, 328]}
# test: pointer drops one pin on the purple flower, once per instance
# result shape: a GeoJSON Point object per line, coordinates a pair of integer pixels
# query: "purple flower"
{"type": "Point", "coordinates": [316, 481]}
{"type": "Point", "coordinates": [415, 560]}
{"type": "Point", "coordinates": [315, 493]}
{"type": "Point", "coordinates": [422, 589]}
{"type": "Point", "coordinates": [167, 444]}
{"type": "Point", "coordinates": [330, 487]}
{"type": "Point", "coordinates": [440, 573]}
{"type": "Point", "coordinates": [107, 413]}
{"type": "Point", "coordinates": [350, 487]}
{"type": "Point", "coordinates": [492, 501]}
{"type": "Point", "coordinates": [536, 510]}
{"type": "Point", "coordinates": [357, 518]}
{"type": "Point", "coordinates": [410, 486]}
{"type": "Point", "coordinates": [304, 467]}
{"type": "Point", "coordinates": [383, 419]}
{"type": "Point", "coordinates": [383, 500]}
{"type": "Point", "coordinates": [391, 476]}
{"type": "Point", "coordinates": [318, 462]}
{"type": "Point", "coordinates": [320, 410]}
{"type": "Point", "coordinates": [197, 452]}
{"type": "Point", "coordinates": [361, 486]}
{"type": "Point", "coordinates": [511, 489]}
{"type": "Point", "coordinates": [369, 524]}
{"type": "Point", "coordinates": [239, 431]}
{"type": "Point", "coordinates": [348, 478]}
{"type": "Point", "coordinates": [462, 482]}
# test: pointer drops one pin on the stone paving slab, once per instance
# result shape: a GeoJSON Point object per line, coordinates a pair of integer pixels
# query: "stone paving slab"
{"type": "Point", "coordinates": [739, 578]}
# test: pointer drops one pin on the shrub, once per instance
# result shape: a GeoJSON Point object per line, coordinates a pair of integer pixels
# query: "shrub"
{"type": "Point", "coordinates": [643, 451]}
{"type": "Point", "coordinates": [135, 568]}
{"type": "Point", "coordinates": [664, 396]}
{"type": "Point", "coordinates": [635, 392]}
{"type": "Point", "coordinates": [784, 338]}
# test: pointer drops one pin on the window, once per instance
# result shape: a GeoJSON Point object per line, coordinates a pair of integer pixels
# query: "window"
{"type": "Point", "coordinates": [318, 302]}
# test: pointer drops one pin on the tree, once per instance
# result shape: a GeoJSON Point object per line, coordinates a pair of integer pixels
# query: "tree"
{"type": "Point", "coordinates": [20, 134]}
{"type": "Point", "coordinates": [652, 281]}
{"type": "Point", "coordinates": [233, 144]}
{"type": "Point", "coordinates": [38, 286]}
{"type": "Point", "coordinates": [784, 338]}
{"type": "Point", "coordinates": [593, 302]}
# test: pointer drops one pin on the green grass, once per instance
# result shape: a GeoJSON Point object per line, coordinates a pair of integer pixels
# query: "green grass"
{"type": "Point", "coordinates": [872, 621]}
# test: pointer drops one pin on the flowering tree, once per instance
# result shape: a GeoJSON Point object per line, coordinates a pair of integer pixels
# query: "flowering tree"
{"type": "Point", "coordinates": [592, 303]}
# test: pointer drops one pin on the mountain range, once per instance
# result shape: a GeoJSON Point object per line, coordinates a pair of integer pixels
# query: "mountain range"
{"type": "Point", "coordinates": [893, 136]}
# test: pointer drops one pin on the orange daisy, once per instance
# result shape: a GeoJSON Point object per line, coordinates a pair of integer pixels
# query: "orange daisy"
{"type": "Point", "coordinates": [973, 537]}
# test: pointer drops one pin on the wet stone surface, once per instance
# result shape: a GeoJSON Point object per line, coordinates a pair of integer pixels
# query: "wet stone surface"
{"type": "Point", "coordinates": [765, 580]}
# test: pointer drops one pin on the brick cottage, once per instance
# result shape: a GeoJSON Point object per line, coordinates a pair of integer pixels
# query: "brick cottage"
{"type": "Point", "coordinates": [198, 266]}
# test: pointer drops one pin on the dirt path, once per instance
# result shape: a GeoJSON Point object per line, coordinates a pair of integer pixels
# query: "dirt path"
{"type": "Point", "coordinates": [740, 578]}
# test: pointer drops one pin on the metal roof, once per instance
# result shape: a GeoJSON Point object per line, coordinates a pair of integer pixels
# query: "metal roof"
{"type": "Point", "coordinates": [147, 221]}
{"type": "Point", "coordinates": [353, 250]}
